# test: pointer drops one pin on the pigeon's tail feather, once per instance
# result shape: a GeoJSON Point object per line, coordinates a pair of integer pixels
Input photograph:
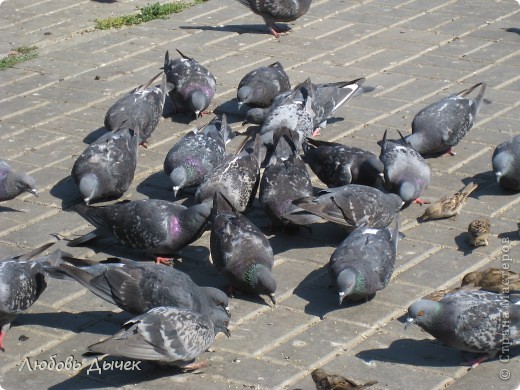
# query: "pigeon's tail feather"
{"type": "Point", "coordinates": [83, 239]}
{"type": "Point", "coordinates": [94, 215]}
{"type": "Point", "coordinates": [35, 252]}
{"type": "Point", "coordinates": [352, 87]}
{"type": "Point", "coordinates": [149, 82]}
{"type": "Point", "coordinates": [183, 56]}
{"type": "Point", "coordinates": [227, 132]}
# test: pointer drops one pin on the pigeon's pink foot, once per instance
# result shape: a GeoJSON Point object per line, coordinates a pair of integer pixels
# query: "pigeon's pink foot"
{"type": "Point", "coordinates": [2, 335]}
{"type": "Point", "coordinates": [144, 144]}
{"type": "Point", "coordinates": [316, 132]}
{"type": "Point", "coordinates": [475, 362]}
{"type": "Point", "coordinates": [164, 260]}
{"type": "Point", "coordinates": [275, 33]}
{"type": "Point", "coordinates": [450, 151]}
{"type": "Point", "coordinates": [421, 201]}
{"type": "Point", "coordinates": [195, 366]}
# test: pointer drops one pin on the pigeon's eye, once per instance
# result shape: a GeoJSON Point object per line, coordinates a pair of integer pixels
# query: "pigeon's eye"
{"type": "Point", "coordinates": [421, 313]}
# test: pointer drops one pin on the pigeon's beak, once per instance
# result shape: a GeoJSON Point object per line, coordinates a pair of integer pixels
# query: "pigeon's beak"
{"type": "Point", "coordinates": [175, 190]}
{"type": "Point", "coordinates": [341, 295]}
{"type": "Point", "coordinates": [33, 191]}
{"type": "Point", "coordinates": [245, 122]}
{"type": "Point", "coordinates": [197, 114]}
{"type": "Point", "coordinates": [228, 312]}
{"type": "Point", "coordinates": [409, 321]}
{"type": "Point", "coordinates": [227, 332]}
{"type": "Point", "coordinates": [87, 201]}
{"type": "Point", "coordinates": [240, 104]}
{"type": "Point", "coordinates": [498, 175]}
{"type": "Point", "coordinates": [273, 298]}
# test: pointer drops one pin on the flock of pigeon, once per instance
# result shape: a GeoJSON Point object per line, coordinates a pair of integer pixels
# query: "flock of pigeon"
{"type": "Point", "coordinates": [176, 319]}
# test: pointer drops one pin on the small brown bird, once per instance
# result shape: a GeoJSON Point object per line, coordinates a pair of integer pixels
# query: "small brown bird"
{"type": "Point", "coordinates": [479, 232]}
{"type": "Point", "coordinates": [493, 279]}
{"type": "Point", "coordinates": [448, 206]}
{"type": "Point", "coordinates": [326, 381]}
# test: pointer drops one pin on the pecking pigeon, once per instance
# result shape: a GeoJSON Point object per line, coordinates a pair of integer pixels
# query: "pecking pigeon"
{"type": "Point", "coordinates": [13, 184]}
{"type": "Point", "coordinates": [506, 164]}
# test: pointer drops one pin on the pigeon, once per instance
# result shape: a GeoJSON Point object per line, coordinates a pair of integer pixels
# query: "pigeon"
{"type": "Point", "coordinates": [237, 178]}
{"type": "Point", "coordinates": [501, 281]}
{"type": "Point", "coordinates": [326, 381]}
{"type": "Point", "coordinates": [440, 126]}
{"type": "Point", "coordinates": [337, 165]}
{"type": "Point", "coordinates": [259, 87]}
{"type": "Point", "coordinates": [278, 11]}
{"type": "Point", "coordinates": [348, 206]}
{"type": "Point", "coordinates": [106, 168]}
{"type": "Point", "coordinates": [164, 334]}
{"type": "Point", "coordinates": [471, 321]}
{"type": "Point", "coordinates": [479, 232]}
{"type": "Point", "coordinates": [406, 172]}
{"type": "Point", "coordinates": [285, 179]}
{"type": "Point", "coordinates": [240, 251]}
{"type": "Point", "coordinates": [137, 287]}
{"type": "Point", "coordinates": [141, 110]}
{"type": "Point", "coordinates": [448, 206]}
{"type": "Point", "coordinates": [364, 262]}
{"type": "Point", "coordinates": [197, 154]}
{"type": "Point", "coordinates": [156, 226]}
{"type": "Point", "coordinates": [22, 281]}
{"type": "Point", "coordinates": [13, 184]}
{"type": "Point", "coordinates": [506, 164]}
{"type": "Point", "coordinates": [193, 84]}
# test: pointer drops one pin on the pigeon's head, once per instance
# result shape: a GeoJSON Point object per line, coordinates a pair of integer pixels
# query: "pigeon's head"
{"type": "Point", "coordinates": [422, 313]}
{"type": "Point", "coordinates": [178, 178]}
{"type": "Point", "coordinates": [197, 102]}
{"type": "Point", "coordinates": [260, 279]}
{"type": "Point", "coordinates": [244, 94]}
{"type": "Point", "coordinates": [25, 183]}
{"type": "Point", "coordinates": [220, 321]}
{"type": "Point", "coordinates": [370, 171]}
{"type": "Point", "coordinates": [218, 298]}
{"type": "Point", "coordinates": [88, 186]}
{"type": "Point", "coordinates": [255, 116]}
{"type": "Point", "coordinates": [345, 282]}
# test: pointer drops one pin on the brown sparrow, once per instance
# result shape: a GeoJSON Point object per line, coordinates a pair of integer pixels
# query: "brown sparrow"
{"type": "Point", "coordinates": [479, 232]}
{"type": "Point", "coordinates": [493, 279]}
{"type": "Point", "coordinates": [448, 206]}
{"type": "Point", "coordinates": [326, 381]}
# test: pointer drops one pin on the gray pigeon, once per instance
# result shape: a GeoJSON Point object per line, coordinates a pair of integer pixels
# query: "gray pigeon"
{"type": "Point", "coordinates": [22, 281]}
{"type": "Point", "coordinates": [349, 206]}
{"type": "Point", "coordinates": [506, 164]}
{"type": "Point", "coordinates": [406, 172]}
{"type": "Point", "coordinates": [193, 84]}
{"type": "Point", "coordinates": [240, 250]}
{"type": "Point", "coordinates": [237, 178]}
{"type": "Point", "coordinates": [259, 87]}
{"type": "Point", "coordinates": [106, 167]}
{"type": "Point", "coordinates": [364, 262]}
{"type": "Point", "coordinates": [440, 126]}
{"type": "Point", "coordinates": [474, 321]}
{"type": "Point", "coordinates": [137, 287]}
{"type": "Point", "coordinates": [140, 110]}
{"type": "Point", "coordinates": [278, 11]}
{"type": "Point", "coordinates": [13, 184]}
{"type": "Point", "coordinates": [197, 154]}
{"type": "Point", "coordinates": [337, 165]}
{"type": "Point", "coordinates": [164, 334]}
{"type": "Point", "coordinates": [156, 226]}
{"type": "Point", "coordinates": [285, 179]}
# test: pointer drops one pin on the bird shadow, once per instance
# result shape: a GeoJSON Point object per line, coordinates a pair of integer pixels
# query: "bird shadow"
{"type": "Point", "coordinates": [513, 30]}
{"type": "Point", "coordinates": [513, 235]}
{"type": "Point", "coordinates": [157, 186]}
{"type": "Point", "coordinates": [67, 191]}
{"type": "Point", "coordinates": [487, 185]}
{"type": "Point", "coordinates": [6, 209]}
{"type": "Point", "coordinates": [236, 28]}
{"type": "Point", "coordinates": [462, 242]}
{"type": "Point", "coordinates": [94, 135]}
{"type": "Point", "coordinates": [104, 1]}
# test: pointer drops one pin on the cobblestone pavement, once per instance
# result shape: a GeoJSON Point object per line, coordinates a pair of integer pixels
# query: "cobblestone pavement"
{"type": "Point", "coordinates": [413, 51]}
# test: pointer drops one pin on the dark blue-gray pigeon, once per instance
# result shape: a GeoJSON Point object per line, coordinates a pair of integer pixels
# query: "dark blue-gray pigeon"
{"type": "Point", "coordinates": [259, 87]}
{"type": "Point", "coordinates": [337, 165]}
{"type": "Point", "coordinates": [237, 178]}
{"type": "Point", "coordinates": [155, 226]}
{"type": "Point", "coordinates": [240, 250]}
{"type": "Point", "coordinates": [13, 184]}
{"type": "Point", "coordinates": [406, 172]}
{"type": "Point", "coordinates": [364, 262]}
{"type": "Point", "coordinates": [106, 167]}
{"type": "Point", "coordinates": [506, 164]}
{"type": "Point", "coordinates": [141, 110]}
{"type": "Point", "coordinates": [193, 85]}
{"type": "Point", "coordinates": [469, 320]}
{"type": "Point", "coordinates": [278, 11]}
{"type": "Point", "coordinates": [348, 206]}
{"type": "Point", "coordinates": [440, 126]}
{"type": "Point", "coordinates": [164, 334]}
{"type": "Point", "coordinates": [197, 154]}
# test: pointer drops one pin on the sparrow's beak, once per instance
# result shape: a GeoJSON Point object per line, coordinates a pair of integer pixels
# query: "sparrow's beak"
{"type": "Point", "coordinates": [409, 321]}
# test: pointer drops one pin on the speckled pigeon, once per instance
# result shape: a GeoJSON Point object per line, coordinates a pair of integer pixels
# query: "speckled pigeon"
{"type": "Point", "coordinates": [197, 154]}
{"type": "Point", "coordinates": [278, 11]}
{"type": "Point", "coordinates": [348, 206]}
{"type": "Point", "coordinates": [364, 262]}
{"type": "Point", "coordinates": [240, 250]}
{"type": "Point", "coordinates": [164, 334]}
{"type": "Point", "coordinates": [473, 321]}
{"type": "Point", "coordinates": [140, 110]}
{"type": "Point", "coordinates": [259, 87]}
{"type": "Point", "coordinates": [337, 165]}
{"type": "Point", "coordinates": [13, 184]}
{"type": "Point", "coordinates": [106, 167]}
{"type": "Point", "coordinates": [285, 179]}
{"type": "Point", "coordinates": [237, 178]}
{"type": "Point", "coordinates": [193, 84]}
{"type": "Point", "coordinates": [406, 172]}
{"type": "Point", "coordinates": [506, 164]}
{"type": "Point", "coordinates": [440, 126]}
{"type": "Point", "coordinates": [156, 226]}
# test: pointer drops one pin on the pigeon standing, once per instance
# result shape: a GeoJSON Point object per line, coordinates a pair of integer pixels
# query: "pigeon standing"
{"type": "Point", "coordinates": [13, 184]}
{"type": "Point", "coordinates": [164, 334]}
{"type": "Point", "coordinates": [197, 154]}
{"type": "Point", "coordinates": [471, 321]}
{"type": "Point", "coordinates": [364, 262]}
{"type": "Point", "coordinates": [278, 11]}
{"type": "Point", "coordinates": [140, 110]}
{"type": "Point", "coordinates": [193, 84]}
{"type": "Point", "coordinates": [106, 168]}
{"type": "Point", "coordinates": [440, 126]}
{"type": "Point", "coordinates": [240, 250]}
{"type": "Point", "coordinates": [506, 164]}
